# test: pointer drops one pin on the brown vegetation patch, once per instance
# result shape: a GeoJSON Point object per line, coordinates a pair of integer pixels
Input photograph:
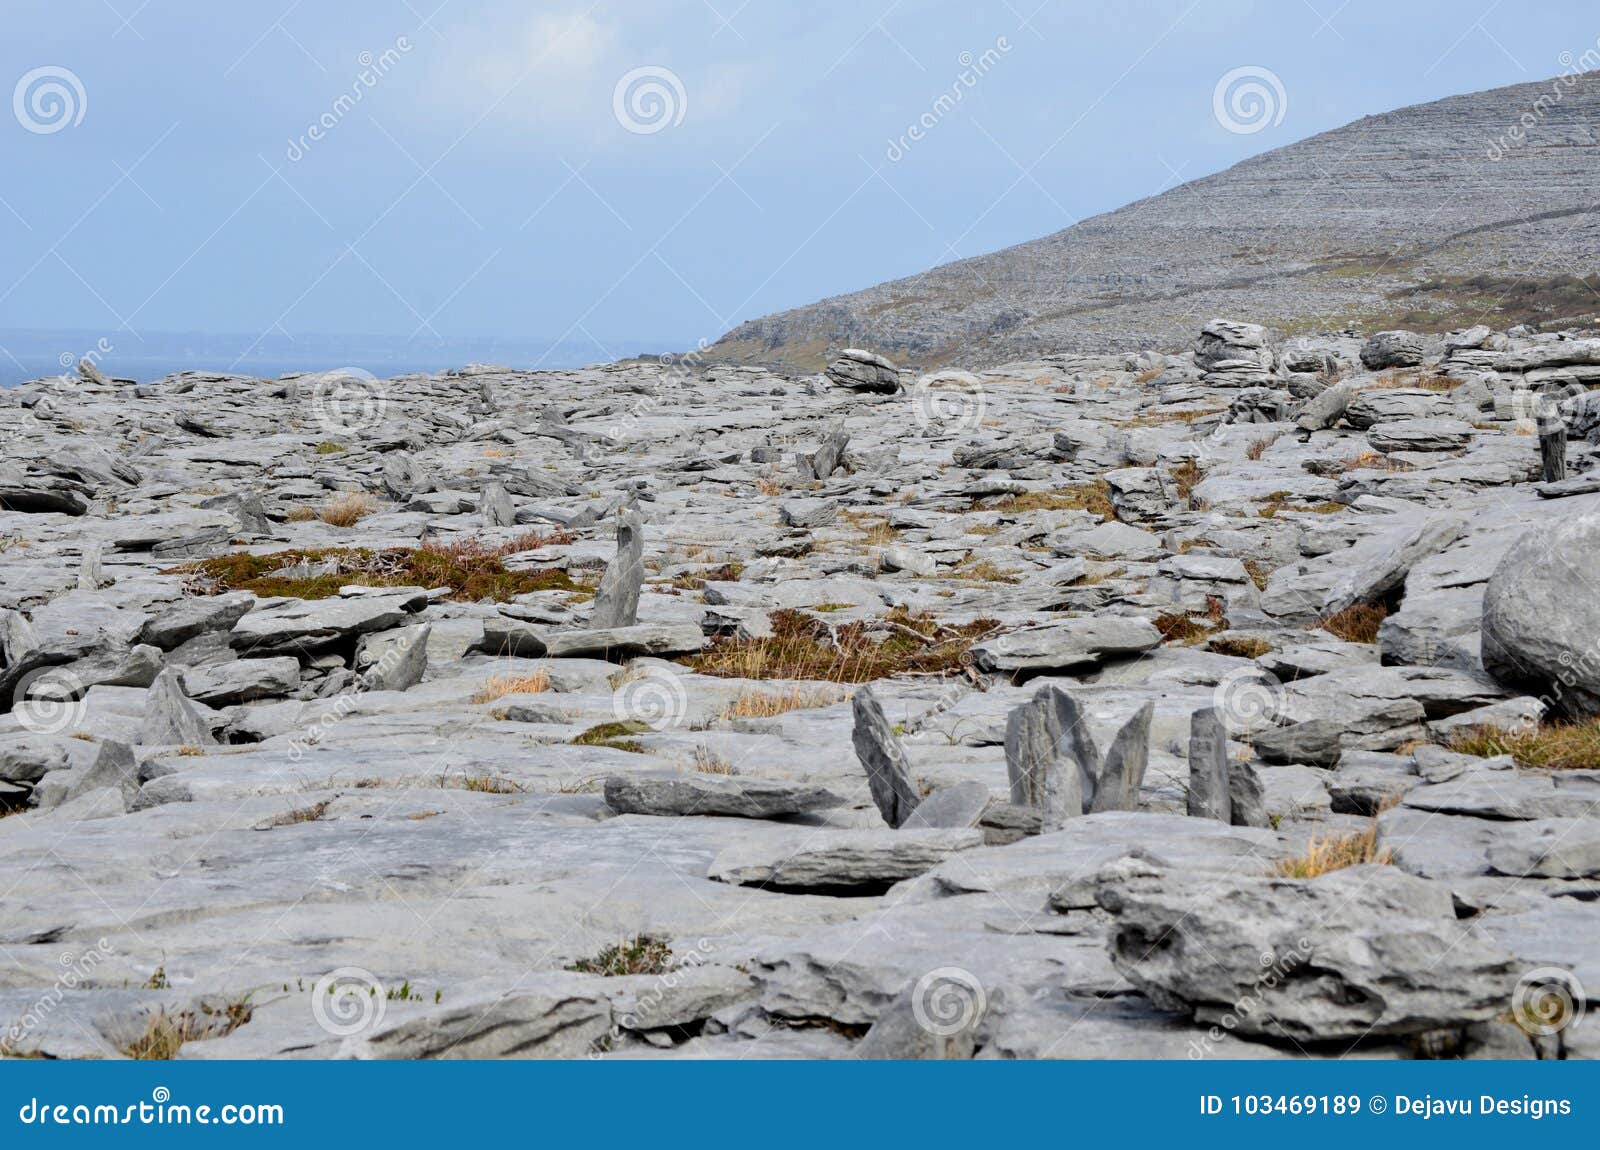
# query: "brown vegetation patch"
{"type": "Point", "coordinates": [804, 647]}
{"type": "Point", "coordinates": [471, 570]}
{"type": "Point", "coordinates": [1358, 624]}
{"type": "Point", "coordinates": [1556, 746]}
{"type": "Point", "coordinates": [1094, 497]}
{"type": "Point", "coordinates": [1336, 853]}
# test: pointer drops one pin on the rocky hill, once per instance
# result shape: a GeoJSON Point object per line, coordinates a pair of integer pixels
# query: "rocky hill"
{"type": "Point", "coordinates": [1476, 207]}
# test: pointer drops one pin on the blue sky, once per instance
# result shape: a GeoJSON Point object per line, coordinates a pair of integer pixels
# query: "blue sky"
{"type": "Point", "coordinates": [486, 182]}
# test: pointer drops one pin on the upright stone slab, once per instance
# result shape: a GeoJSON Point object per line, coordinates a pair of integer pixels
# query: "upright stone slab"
{"type": "Point", "coordinates": [1208, 767]}
{"type": "Point", "coordinates": [1122, 773]}
{"type": "Point", "coordinates": [1246, 802]}
{"type": "Point", "coordinates": [495, 506]}
{"type": "Point", "coordinates": [828, 457]}
{"type": "Point", "coordinates": [1033, 738]}
{"type": "Point", "coordinates": [616, 604]}
{"type": "Point", "coordinates": [1043, 772]}
{"type": "Point", "coordinates": [170, 719]}
{"type": "Point", "coordinates": [1078, 749]}
{"type": "Point", "coordinates": [888, 772]}
{"type": "Point", "coordinates": [393, 660]}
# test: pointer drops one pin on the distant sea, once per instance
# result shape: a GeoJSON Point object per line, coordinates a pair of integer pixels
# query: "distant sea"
{"type": "Point", "coordinates": [32, 354]}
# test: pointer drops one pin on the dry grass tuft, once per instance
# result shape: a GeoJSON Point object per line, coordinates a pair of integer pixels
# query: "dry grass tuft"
{"type": "Point", "coordinates": [1258, 447]}
{"type": "Point", "coordinates": [492, 785]}
{"type": "Point", "coordinates": [804, 647]}
{"type": "Point", "coordinates": [1375, 461]}
{"type": "Point", "coordinates": [755, 704]}
{"type": "Point", "coordinates": [1331, 854]}
{"type": "Point", "coordinates": [347, 510]}
{"type": "Point", "coordinates": [769, 487]}
{"type": "Point", "coordinates": [1239, 646]}
{"type": "Point", "coordinates": [641, 954]}
{"type": "Point", "coordinates": [708, 762]}
{"type": "Point", "coordinates": [311, 814]}
{"type": "Point", "coordinates": [166, 1033]}
{"type": "Point", "coordinates": [1094, 497]}
{"type": "Point", "coordinates": [1550, 746]}
{"type": "Point", "coordinates": [1185, 477]}
{"type": "Point", "coordinates": [1260, 572]}
{"type": "Point", "coordinates": [1358, 624]}
{"type": "Point", "coordinates": [499, 686]}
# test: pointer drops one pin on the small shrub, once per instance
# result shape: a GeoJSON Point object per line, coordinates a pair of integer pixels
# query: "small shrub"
{"type": "Point", "coordinates": [329, 447]}
{"type": "Point", "coordinates": [1259, 571]}
{"type": "Point", "coordinates": [310, 814]}
{"type": "Point", "coordinates": [641, 954]}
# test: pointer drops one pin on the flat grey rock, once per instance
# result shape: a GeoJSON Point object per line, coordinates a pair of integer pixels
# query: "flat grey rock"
{"type": "Point", "coordinates": [740, 796]}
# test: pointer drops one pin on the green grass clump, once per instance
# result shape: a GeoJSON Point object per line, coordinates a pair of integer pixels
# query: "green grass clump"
{"type": "Point", "coordinates": [614, 735]}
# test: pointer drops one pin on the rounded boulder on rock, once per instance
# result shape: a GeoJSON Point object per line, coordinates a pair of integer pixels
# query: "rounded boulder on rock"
{"type": "Point", "coordinates": [1541, 620]}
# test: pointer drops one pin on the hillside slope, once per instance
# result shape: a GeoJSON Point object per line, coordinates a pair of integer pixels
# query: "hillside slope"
{"type": "Point", "coordinates": [1431, 217]}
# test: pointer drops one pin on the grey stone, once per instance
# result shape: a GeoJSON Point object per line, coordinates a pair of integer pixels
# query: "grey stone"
{"type": "Point", "coordinates": [827, 860]}
{"type": "Point", "coordinates": [1548, 848]}
{"type": "Point", "coordinates": [1367, 950]}
{"type": "Point", "coordinates": [951, 808]}
{"type": "Point", "coordinates": [616, 603]}
{"type": "Point", "coordinates": [1541, 627]}
{"type": "Point", "coordinates": [393, 660]}
{"type": "Point", "coordinates": [170, 719]}
{"type": "Point", "coordinates": [240, 680]}
{"type": "Point", "coordinates": [1210, 796]}
{"type": "Point", "coordinates": [1073, 644]}
{"type": "Point", "coordinates": [1247, 806]}
{"type": "Point", "coordinates": [880, 752]}
{"type": "Point", "coordinates": [740, 796]}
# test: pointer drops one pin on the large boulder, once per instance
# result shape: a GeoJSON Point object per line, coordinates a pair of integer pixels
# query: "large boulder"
{"type": "Point", "coordinates": [1541, 623]}
{"type": "Point", "coordinates": [860, 370]}
{"type": "Point", "coordinates": [1393, 349]}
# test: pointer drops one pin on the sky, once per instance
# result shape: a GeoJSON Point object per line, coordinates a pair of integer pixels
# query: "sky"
{"type": "Point", "coordinates": [641, 171]}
